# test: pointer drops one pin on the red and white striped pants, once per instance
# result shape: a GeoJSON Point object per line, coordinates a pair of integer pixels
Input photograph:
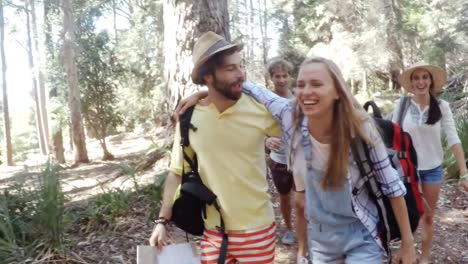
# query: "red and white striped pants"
{"type": "Point", "coordinates": [255, 246]}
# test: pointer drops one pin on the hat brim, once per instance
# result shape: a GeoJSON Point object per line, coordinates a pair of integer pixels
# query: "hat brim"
{"type": "Point", "coordinates": [438, 76]}
{"type": "Point", "coordinates": [210, 54]}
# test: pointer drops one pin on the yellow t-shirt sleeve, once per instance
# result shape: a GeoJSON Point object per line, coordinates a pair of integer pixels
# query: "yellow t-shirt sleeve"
{"type": "Point", "coordinates": [177, 157]}
{"type": "Point", "coordinates": [273, 129]}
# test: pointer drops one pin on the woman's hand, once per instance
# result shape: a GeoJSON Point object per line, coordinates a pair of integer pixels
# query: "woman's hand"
{"type": "Point", "coordinates": [464, 181]}
{"type": "Point", "coordinates": [186, 103]}
{"type": "Point", "coordinates": [407, 253]}
{"type": "Point", "coordinates": [273, 143]}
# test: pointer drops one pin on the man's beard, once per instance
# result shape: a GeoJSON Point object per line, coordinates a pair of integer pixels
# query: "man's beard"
{"type": "Point", "coordinates": [224, 88]}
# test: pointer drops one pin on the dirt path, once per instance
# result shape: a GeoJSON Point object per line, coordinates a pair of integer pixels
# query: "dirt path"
{"type": "Point", "coordinates": [117, 243]}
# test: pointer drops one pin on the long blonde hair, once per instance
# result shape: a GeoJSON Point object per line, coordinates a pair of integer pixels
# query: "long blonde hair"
{"type": "Point", "coordinates": [348, 121]}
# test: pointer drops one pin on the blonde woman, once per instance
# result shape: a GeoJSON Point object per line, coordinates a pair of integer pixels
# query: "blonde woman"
{"type": "Point", "coordinates": [318, 127]}
{"type": "Point", "coordinates": [427, 119]}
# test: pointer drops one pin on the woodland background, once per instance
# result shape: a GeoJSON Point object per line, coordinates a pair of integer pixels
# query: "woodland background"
{"type": "Point", "coordinates": [93, 72]}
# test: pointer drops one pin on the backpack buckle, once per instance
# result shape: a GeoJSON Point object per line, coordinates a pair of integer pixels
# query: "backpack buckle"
{"type": "Point", "coordinates": [402, 155]}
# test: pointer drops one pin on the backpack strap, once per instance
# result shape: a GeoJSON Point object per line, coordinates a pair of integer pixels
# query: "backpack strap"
{"type": "Point", "coordinates": [362, 157]}
{"type": "Point", "coordinates": [198, 190]}
{"type": "Point", "coordinates": [402, 109]}
{"type": "Point", "coordinates": [375, 109]}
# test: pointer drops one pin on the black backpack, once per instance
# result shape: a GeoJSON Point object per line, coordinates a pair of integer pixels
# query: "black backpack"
{"type": "Point", "coordinates": [189, 208]}
{"type": "Point", "coordinates": [403, 158]}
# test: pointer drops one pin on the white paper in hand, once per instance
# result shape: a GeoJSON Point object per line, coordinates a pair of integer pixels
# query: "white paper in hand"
{"type": "Point", "coordinates": [185, 253]}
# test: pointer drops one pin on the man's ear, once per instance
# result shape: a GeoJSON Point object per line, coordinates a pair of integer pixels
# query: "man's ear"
{"type": "Point", "coordinates": [208, 78]}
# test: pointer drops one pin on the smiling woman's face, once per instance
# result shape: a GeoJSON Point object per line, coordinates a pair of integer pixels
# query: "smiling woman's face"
{"type": "Point", "coordinates": [315, 90]}
{"type": "Point", "coordinates": [421, 82]}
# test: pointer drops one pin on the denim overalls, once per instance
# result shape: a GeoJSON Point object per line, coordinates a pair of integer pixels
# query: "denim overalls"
{"type": "Point", "coordinates": [334, 232]}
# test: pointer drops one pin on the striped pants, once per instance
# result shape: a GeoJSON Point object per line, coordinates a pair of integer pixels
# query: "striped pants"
{"type": "Point", "coordinates": [255, 246]}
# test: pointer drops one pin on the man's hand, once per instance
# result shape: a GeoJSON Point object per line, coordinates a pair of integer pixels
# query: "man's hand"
{"type": "Point", "coordinates": [159, 236]}
{"type": "Point", "coordinates": [273, 143]}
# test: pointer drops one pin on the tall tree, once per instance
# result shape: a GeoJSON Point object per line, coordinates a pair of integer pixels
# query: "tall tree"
{"type": "Point", "coordinates": [41, 137]}
{"type": "Point", "coordinates": [393, 18]}
{"type": "Point", "coordinates": [6, 113]}
{"type": "Point", "coordinates": [55, 81]}
{"type": "Point", "coordinates": [74, 102]}
{"type": "Point", "coordinates": [39, 72]}
{"type": "Point", "coordinates": [185, 21]}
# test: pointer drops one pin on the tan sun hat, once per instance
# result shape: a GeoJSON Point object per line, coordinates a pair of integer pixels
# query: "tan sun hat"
{"type": "Point", "coordinates": [206, 46]}
{"type": "Point", "coordinates": [439, 76]}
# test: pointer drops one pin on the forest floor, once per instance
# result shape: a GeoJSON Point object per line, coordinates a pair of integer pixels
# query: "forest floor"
{"type": "Point", "coordinates": [117, 243]}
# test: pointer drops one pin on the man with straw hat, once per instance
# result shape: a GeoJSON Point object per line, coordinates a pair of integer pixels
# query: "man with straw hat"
{"type": "Point", "coordinates": [229, 142]}
{"type": "Point", "coordinates": [426, 118]}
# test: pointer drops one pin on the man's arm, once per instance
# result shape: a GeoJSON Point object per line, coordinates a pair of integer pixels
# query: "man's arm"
{"type": "Point", "coordinates": [172, 182]}
{"type": "Point", "coordinates": [159, 236]}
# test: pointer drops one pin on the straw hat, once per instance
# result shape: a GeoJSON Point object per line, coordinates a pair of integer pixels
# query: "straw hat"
{"type": "Point", "coordinates": [439, 76]}
{"type": "Point", "coordinates": [206, 46]}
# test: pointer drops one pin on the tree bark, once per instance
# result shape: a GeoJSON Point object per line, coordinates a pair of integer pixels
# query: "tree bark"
{"type": "Point", "coordinates": [57, 145]}
{"type": "Point", "coordinates": [40, 78]}
{"type": "Point", "coordinates": [393, 17]}
{"type": "Point", "coordinates": [114, 16]}
{"type": "Point", "coordinates": [74, 102]}
{"type": "Point", "coordinates": [6, 113]}
{"type": "Point", "coordinates": [56, 129]}
{"type": "Point", "coordinates": [185, 21]}
{"type": "Point", "coordinates": [106, 155]}
{"type": "Point", "coordinates": [35, 90]}
{"type": "Point", "coordinates": [264, 32]}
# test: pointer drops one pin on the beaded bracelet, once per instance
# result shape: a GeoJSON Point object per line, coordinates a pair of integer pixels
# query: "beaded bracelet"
{"type": "Point", "coordinates": [161, 220]}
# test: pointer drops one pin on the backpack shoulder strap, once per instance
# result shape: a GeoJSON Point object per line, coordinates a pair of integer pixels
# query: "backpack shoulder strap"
{"type": "Point", "coordinates": [185, 125]}
{"type": "Point", "coordinates": [362, 157]}
{"type": "Point", "coordinates": [402, 109]}
{"type": "Point", "coordinates": [375, 109]}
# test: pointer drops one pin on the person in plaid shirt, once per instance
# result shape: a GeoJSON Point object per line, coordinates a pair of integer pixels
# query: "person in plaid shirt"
{"type": "Point", "coordinates": [318, 127]}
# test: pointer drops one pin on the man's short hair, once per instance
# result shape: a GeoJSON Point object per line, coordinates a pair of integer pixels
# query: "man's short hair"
{"type": "Point", "coordinates": [279, 63]}
{"type": "Point", "coordinates": [216, 60]}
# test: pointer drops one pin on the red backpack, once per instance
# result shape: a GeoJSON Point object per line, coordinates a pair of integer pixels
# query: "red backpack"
{"type": "Point", "coordinates": [403, 158]}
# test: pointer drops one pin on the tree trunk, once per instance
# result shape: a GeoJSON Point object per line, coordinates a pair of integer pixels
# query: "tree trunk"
{"type": "Point", "coordinates": [56, 129]}
{"type": "Point", "coordinates": [393, 17]}
{"type": "Point", "coordinates": [6, 113]}
{"type": "Point", "coordinates": [106, 155]}
{"type": "Point", "coordinates": [74, 102]}
{"type": "Point", "coordinates": [57, 145]}
{"type": "Point", "coordinates": [40, 78]}
{"type": "Point", "coordinates": [263, 29]}
{"type": "Point", "coordinates": [185, 21]}
{"type": "Point", "coordinates": [114, 16]}
{"type": "Point", "coordinates": [39, 123]}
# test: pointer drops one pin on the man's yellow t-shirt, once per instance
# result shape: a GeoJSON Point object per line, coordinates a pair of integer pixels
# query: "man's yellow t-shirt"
{"type": "Point", "coordinates": [231, 159]}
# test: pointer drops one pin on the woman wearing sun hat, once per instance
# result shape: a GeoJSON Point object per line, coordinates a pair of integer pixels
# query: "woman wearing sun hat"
{"type": "Point", "coordinates": [426, 119]}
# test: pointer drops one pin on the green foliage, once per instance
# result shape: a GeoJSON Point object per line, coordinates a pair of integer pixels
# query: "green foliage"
{"type": "Point", "coordinates": [50, 209]}
{"type": "Point", "coordinates": [98, 72]}
{"type": "Point", "coordinates": [107, 207]}
{"type": "Point", "coordinates": [450, 163]}
{"type": "Point", "coordinates": [131, 172]}
{"type": "Point", "coordinates": [32, 220]}
{"type": "Point", "coordinates": [140, 50]}
{"type": "Point", "coordinates": [24, 145]}
{"type": "Point", "coordinates": [154, 193]}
